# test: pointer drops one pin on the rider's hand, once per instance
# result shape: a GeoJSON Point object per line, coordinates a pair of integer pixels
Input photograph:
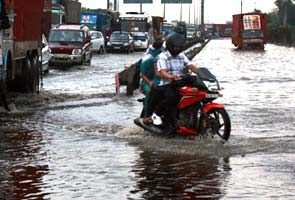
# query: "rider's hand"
{"type": "Point", "coordinates": [174, 77]}
{"type": "Point", "coordinates": [151, 84]}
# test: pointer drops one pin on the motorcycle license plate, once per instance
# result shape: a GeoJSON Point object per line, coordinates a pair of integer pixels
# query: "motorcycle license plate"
{"type": "Point", "coordinates": [213, 95]}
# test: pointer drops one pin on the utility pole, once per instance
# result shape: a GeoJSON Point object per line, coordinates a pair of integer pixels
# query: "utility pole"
{"type": "Point", "coordinates": [241, 6]}
{"type": "Point", "coordinates": [194, 12]}
{"type": "Point", "coordinates": [189, 13]}
{"type": "Point", "coordinates": [164, 12]}
{"type": "Point", "coordinates": [181, 12]}
{"type": "Point", "coordinates": [202, 12]}
{"type": "Point", "coordinates": [115, 5]}
{"type": "Point", "coordinates": [140, 7]}
{"type": "Point", "coordinates": [108, 4]}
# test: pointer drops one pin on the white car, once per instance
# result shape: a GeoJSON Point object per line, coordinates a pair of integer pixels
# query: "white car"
{"type": "Point", "coordinates": [45, 57]}
{"type": "Point", "coordinates": [98, 42]}
{"type": "Point", "coordinates": [140, 40]}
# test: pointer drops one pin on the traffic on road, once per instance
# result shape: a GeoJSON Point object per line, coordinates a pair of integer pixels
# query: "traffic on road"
{"type": "Point", "coordinates": [77, 139]}
{"type": "Point", "coordinates": [101, 104]}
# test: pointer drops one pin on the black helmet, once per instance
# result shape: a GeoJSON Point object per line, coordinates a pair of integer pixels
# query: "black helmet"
{"type": "Point", "coordinates": [158, 42]}
{"type": "Point", "coordinates": [174, 44]}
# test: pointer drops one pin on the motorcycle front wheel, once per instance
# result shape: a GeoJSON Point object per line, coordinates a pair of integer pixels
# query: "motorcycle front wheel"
{"type": "Point", "coordinates": [219, 123]}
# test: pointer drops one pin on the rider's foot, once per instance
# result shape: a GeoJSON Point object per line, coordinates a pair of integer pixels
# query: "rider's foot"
{"type": "Point", "coordinates": [147, 120]}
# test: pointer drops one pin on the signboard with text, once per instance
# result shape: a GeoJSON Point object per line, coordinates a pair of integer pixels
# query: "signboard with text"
{"type": "Point", "coordinates": [176, 1]}
{"type": "Point", "coordinates": [138, 1]}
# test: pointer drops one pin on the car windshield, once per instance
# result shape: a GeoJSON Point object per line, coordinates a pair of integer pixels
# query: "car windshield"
{"type": "Point", "coordinates": [65, 36]}
{"type": "Point", "coordinates": [119, 36]}
{"type": "Point", "coordinates": [139, 37]}
{"type": "Point", "coordinates": [95, 35]}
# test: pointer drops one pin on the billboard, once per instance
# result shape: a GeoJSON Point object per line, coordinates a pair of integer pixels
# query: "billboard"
{"type": "Point", "coordinates": [138, 1]}
{"type": "Point", "coordinates": [88, 19]}
{"type": "Point", "coordinates": [176, 1]}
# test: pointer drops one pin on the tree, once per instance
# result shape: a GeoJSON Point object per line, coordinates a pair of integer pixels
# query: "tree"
{"type": "Point", "coordinates": [286, 9]}
{"type": "Point", "coordinates": [273, 18]}
{"type": "Point", "coordinates": [257, 11]}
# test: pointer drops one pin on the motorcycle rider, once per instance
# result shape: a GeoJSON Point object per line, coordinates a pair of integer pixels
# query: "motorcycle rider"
{"type": "Point", "coordinates": [148, 70]}
{"type": "Point", "coordinates": [164, 98]}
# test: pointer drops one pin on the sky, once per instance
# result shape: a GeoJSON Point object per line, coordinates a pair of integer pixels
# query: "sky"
{"type": "Point", "coordinates": [216, 11]}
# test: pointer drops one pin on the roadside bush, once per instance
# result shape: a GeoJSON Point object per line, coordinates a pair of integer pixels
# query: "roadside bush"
{"type": "Point", "coordinates": [281, 34]}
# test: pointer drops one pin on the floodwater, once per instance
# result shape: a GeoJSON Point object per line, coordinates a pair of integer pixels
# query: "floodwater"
{"type": "Point", "coordinates": [76, 139]}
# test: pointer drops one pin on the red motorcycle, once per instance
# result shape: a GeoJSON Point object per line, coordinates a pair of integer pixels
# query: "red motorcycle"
{"type": "Point", "coordinates": [197, 113]}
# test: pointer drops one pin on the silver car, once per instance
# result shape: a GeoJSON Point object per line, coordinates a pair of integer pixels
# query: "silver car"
{"type": "Point", "coordinates": [141, 41]}
{"type": "Point", "coordinates": [98, 42]}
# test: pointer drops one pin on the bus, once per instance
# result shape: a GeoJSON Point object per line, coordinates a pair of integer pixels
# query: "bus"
{"type": "Point", "coordinates": [168, 28]}
{"type": "Point", "coordinates": [139, 23]}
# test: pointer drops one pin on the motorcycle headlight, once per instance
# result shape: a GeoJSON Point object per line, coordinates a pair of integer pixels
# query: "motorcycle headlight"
{"type": "Point", "coordinates": [109, 44]}
{"type": "Point", "coordinates": [77, 51]}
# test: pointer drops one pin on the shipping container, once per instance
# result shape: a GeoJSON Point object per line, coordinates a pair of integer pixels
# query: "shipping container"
{"type": "Point", "coordinates": [249, 30]}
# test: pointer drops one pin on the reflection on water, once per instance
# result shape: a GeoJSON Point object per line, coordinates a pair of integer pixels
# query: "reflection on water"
{"type": "Point", "coordinates": [180, 177]}
{"type": "Point", "coordinates": [77, 139]}
{"type": "Point", "coordinates": [21, 171]}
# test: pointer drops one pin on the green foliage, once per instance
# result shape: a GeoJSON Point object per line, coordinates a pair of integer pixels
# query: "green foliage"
{"type": "Point", "coordinates": [281, 23]}
{"type": "Point", "coordinates": [257, 11]}
{"type": "Point", "coordinates": [273, 18]}
{"type": "Point", "coordinates": [281, 34]}
{"type": "Point", "coordinates": [286, 11]}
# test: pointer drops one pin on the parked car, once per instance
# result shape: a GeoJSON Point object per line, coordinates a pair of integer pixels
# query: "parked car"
{"type": "Point", "coordinates": [45, 57]}
{"type": "Point", "coordinates": [120, 41]}
{"type": "Point", "coordinates": [191, 31]}
{"type": "Point", "coordinates": [70, 44]}
{"type": "Point", "coordinates": [98, 42]}
{"type": "Point", "coordinates": [141, 41]}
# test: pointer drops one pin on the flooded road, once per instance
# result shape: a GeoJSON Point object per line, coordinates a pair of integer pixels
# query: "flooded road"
{"type": "Point", "coordinates": [76, 139]}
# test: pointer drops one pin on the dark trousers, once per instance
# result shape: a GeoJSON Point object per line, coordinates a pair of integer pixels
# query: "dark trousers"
{"type": "Point", "coordinates": [163, 101]}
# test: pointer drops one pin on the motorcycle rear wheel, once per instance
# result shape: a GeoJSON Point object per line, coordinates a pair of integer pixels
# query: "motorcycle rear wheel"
{"type": "Point", "coordinates": [219, 123]}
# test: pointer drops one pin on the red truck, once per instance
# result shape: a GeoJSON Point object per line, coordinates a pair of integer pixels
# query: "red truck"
{"type": "Point", "coordinates": [249, 30]}
{"type": "Point", "coordinates": [21, 44]}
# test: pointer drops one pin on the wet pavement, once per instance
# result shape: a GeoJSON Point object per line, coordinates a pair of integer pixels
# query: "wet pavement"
{"type": "Point", "coordinates": [77, 140]}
